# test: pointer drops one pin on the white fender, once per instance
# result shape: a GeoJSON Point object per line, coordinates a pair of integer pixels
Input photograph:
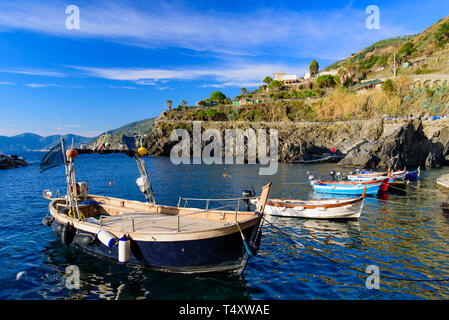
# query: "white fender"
{"type": "Point", "coordinates": [124, 248]}
{"type": "Point", "coordinates": [299, 208]}
{"type": "Point", "coordinates": [106, 238]}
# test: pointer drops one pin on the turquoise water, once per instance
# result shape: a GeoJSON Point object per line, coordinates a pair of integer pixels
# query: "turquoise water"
{"type": "Point", "coordinates": [404, 235]}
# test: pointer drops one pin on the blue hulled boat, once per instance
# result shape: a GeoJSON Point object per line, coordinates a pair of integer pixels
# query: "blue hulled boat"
{"type": "Point", "coordinates": [350, 187]}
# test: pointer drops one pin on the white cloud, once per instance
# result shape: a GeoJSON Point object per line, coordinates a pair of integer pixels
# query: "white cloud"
{"type": "Point", "coordinates": [33, 72]}
{"type": "Point", "coordinates": [6, 82]}
{"type": "Point", "coordinates": [237, 75]}
{"type": "Point", "coordinates": [324, 34]}
{"type": "Point", "coordinates": [42, 85]}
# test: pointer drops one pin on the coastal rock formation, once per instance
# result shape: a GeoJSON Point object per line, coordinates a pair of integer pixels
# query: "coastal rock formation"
{"type": "Point", "coordinates": [407, 146]}
{"type": "Point", "coordinates": [8, 162]}
{"type": "Point", "coordinates": [295, 140]}
{"type": "Point", "coordinates": [367, 144]}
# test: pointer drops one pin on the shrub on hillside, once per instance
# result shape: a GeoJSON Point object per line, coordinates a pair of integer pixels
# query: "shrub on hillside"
{"type": "Point", "coordinates": [388, 86]}
{"type": "Point", "coordinates": [325, 81]}
{"type": "Point", "coordinates": [442, 35]}
{"type": "Point", "coordinates": [407, 48]}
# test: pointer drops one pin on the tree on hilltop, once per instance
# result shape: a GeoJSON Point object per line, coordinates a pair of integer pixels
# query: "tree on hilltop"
{"type": "Point", "coordinates": [169, 104]}
{"type": "Point", "coordinates": [267, 80]}
{"type": "Point", "coordinates": [314, 67]}
{"type": "Point", "coordinates": [217, 96]}
{"type": "Point", "coordinates": [275, 85]}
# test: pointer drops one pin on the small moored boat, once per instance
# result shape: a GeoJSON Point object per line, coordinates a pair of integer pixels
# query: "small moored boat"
{"type": "Point", "coordinates": [413, 175]}
{"type": "Point", "coordinates": [316, 209]}
{"type": "Point", "coordinates": [350, 187]}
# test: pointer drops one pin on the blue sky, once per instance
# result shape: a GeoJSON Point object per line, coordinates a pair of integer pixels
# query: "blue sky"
{"type": "Point", "coordinates": [128, 57]}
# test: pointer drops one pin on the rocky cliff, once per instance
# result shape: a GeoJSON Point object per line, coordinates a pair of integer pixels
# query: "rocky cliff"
{"type": "Point", "coordinates": [368, 144]}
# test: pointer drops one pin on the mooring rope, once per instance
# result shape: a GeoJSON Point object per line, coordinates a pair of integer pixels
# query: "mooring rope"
{"type": "Point", "coordinates": [360, 270]}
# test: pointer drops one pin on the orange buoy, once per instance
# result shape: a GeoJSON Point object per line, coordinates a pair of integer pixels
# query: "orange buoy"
{"type": "Point", "coordinates": [71, 153]}
{"type": "Point", "coordinates": [111, 183]}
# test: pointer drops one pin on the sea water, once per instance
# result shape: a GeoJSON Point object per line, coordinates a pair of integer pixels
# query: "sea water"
{"type": "Point", "coordinates": [403, 235]}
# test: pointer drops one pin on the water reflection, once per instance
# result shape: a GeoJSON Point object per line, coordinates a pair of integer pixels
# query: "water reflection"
{"type": "Point", "coordinates": [340, 232]}
{"type": "Point", "coordinates": [105, 279]}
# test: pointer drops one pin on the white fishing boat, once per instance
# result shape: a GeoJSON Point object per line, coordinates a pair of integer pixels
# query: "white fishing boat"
{"type": "Point", "coordinates": [165, 238]}
{"type": "Point", "coordinates": [316, 208]}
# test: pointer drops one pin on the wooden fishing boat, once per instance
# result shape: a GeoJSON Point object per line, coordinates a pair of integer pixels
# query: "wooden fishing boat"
{"type": "Point", "coordinates": [398, 186]}
{"type": "Point", "coordinates": [413, 175]}
{"type": "Point", "coordinates": [350, 187]}
{"type": "Point", "coordinates": [316, 209]}
{"type": "Point", "coordinates": [399, 175]}
{"type": "Point", "coordinates": [171, 239]}
{"type": "Point", "coordinates": [365, 178]}
{"type": "Point", "coordinates": [396, 175]}
{"type": "Point", "coordinates": [165, 238]}
{"type": "Point", "coordinates": [372, 173]}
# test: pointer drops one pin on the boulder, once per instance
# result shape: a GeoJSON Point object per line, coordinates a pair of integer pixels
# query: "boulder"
{"type": "Point", "coordinates": [406, 147]}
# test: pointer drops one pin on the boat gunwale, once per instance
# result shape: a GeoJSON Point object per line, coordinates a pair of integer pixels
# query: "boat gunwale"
{"type": "Point", "coordinates": [157, 236]}
{"type": "Point", "coordinates": [349, 183]}
{"type": "Point", "coordinates": [332, 205]}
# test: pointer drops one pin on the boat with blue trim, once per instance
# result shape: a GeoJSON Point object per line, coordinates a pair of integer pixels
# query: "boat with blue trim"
{"type": "Point", "coordinates": [164, 238]}
{"type": "Point", "coordinates": [350, 187]}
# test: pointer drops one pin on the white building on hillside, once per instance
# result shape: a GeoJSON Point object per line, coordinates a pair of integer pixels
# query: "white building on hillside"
{"type": "Point", "coordinates": [281, 76]}
{"type": "Point", "coordinates": [330, 72]}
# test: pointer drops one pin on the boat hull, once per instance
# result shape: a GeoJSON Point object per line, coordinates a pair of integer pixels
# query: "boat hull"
{"type": "Point", "coordinates": [223, 253]}
{"type": "Point", "coordinates": [350, 210]}
{"type": "Point", "coordinates": [349, 190]}
{"type": "Point", "coordinates": [413, 175]}
{"type": "Point", "coordinates": [206, 242]}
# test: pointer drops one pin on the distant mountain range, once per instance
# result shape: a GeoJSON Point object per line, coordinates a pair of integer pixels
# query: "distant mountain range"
{"type": "Point", "coordinates": [134, 128]}
{"type": "Point", "coordinates": [31, 141]}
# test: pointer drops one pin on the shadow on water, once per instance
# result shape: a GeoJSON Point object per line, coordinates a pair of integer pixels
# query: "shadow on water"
{"type": "Point", "coordinates": [105, 279]}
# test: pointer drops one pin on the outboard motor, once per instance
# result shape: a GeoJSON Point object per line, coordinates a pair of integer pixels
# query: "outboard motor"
{"type": "Point", "coordinates": [246, 194]}
{"type": "Point", "coordinates": [332, 174]}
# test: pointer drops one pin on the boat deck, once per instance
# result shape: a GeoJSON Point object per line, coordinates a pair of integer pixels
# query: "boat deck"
{"type": "Point", "coordinates": [157, 223]}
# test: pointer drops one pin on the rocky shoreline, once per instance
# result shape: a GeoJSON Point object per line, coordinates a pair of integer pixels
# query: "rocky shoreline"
{"type": "Point", "coordinates": [11, 161]}
{"type": "Point", "coordinates": [363, 143]}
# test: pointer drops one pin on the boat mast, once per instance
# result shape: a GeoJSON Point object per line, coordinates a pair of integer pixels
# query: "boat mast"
{"type": "Point", "coordinates": [144, 176]}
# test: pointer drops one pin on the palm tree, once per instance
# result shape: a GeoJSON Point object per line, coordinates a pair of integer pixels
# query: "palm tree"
{"type": "Point", "coordinates": [184, 103]}
{"type": "Point", "coordinates": [341, 75]}
{"type": "Point", "coordinates": [169, 103]}
{"type": "Point", "coordinates": [243, 91]}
